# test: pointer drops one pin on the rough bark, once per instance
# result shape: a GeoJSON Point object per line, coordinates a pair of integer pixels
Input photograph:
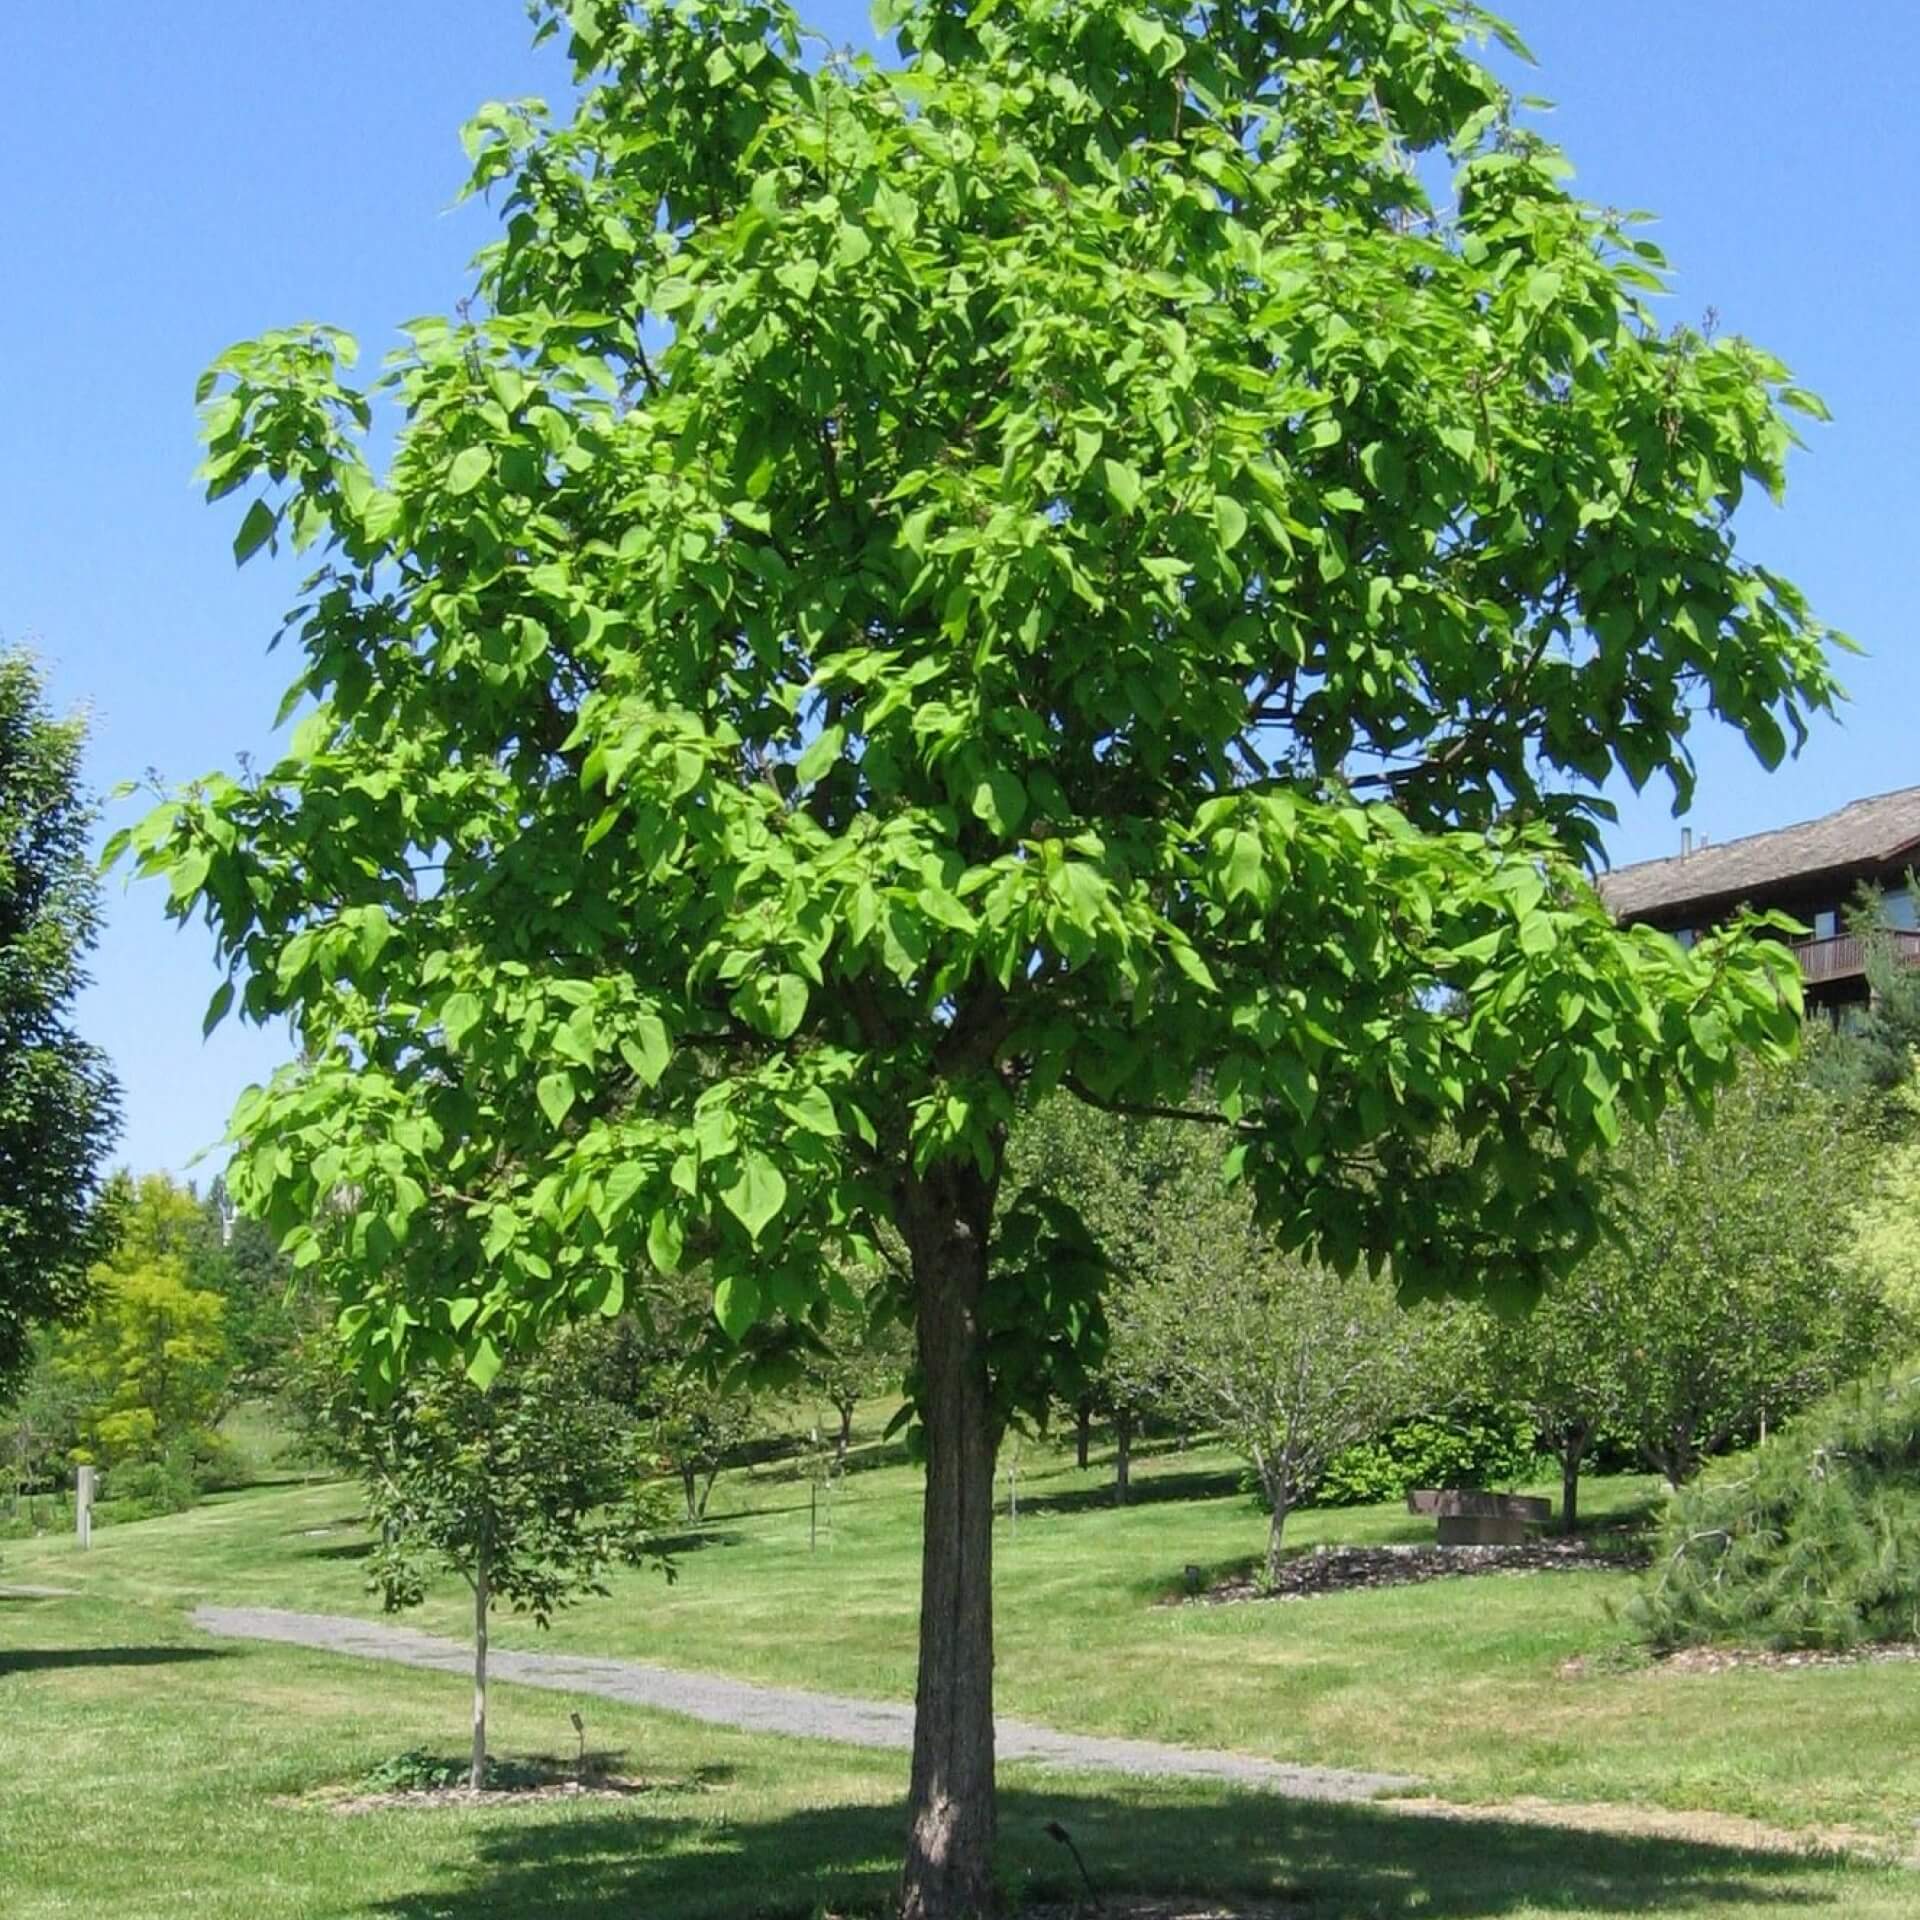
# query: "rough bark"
{"type": "Point", "coordinates": [951, 1816]}
{"type": "Point", "coordinates": [482, 1598]}
{"type": "Point", "coordinates": [1122, 1455]}
{"type": "Point", "coordinates": [1573, 1450]}
{"type": "Point", "coordinates": [1678, 1458]}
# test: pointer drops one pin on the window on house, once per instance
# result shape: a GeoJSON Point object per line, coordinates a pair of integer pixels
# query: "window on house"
{"type": "Point", "coordinates": [1897, 903]}
{"type": "Point", "coordinates": [1826, 923]}
{"type": "Point", "coordinates": [1685, 938]}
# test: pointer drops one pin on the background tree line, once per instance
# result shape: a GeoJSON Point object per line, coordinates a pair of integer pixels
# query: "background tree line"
{"type": "Point", "coordinates": [187, 1315]}
{"type": "Point", "coordinates": [1755, 1262]}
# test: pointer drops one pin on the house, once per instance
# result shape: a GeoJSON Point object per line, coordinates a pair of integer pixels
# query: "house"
{"type": "Point", "coordinates": [1814, 871]}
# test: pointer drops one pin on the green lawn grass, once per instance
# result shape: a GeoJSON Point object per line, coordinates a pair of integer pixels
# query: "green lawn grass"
{"type": "Point", "coordinates": [147, 1773]}
{"type": "Point", "coordinates": [1460, 1683]}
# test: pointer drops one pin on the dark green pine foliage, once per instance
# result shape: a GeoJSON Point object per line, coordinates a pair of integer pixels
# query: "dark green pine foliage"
{"type": "Point", "coordinates": [1874, 1052]}
{"type": "Point", "coordinates": [1812, 1542]}
{"type": "Point", "coordinates": [58, 1102]}
{"type": "Point", "coordinates": [264, 1316]}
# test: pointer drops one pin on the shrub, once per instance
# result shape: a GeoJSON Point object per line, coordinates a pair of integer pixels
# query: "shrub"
{"type": "Point", "coordinates": [1813, 1541]}
{"type": "Point", "coordinates": [1480, 1447]}
{"type": "Point", "coordinates": [212, 1462]}
{"type": "Point", "coordinates": [415, 1771]}
{"type": "Point", "coordinates": [142, 1489]}
{"type": "Point", "coordinates": [418, 1771]}
{"type": "Point", "coordinates": [35, 1514]}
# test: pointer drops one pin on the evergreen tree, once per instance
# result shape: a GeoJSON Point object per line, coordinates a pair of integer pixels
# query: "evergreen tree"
{"type": "Point", "coordinates": [58, 1101]}
{"type": "Point", "coordinates": [1871, 1049]}
{"type": "Point", "coordinates": [237, 1258]}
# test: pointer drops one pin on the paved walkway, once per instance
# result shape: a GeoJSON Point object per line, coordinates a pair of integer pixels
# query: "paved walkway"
{"type": "Point", "coordinates": [783, 1710]}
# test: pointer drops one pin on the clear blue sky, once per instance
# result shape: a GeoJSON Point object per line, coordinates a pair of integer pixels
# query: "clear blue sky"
{"type": "Point", "coordinates": [186, 175]}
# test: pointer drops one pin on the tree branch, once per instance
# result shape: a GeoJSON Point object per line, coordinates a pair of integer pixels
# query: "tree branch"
{"type": "Point", "coordinates": [1152, 1110]}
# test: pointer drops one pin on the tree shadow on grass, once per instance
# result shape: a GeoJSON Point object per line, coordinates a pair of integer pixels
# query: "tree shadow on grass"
{"type": "Point", "coordinates": [1636, 1516]}
{"type": "Point", "coordinates": [1330, 1860]}
{"type": "Point", "coordinates": [314, 1528]}
{"type": "Point", "coordinates": [1192, 1484]}
{"type": "Point", "coordinates": [695, 1540]}
{"type": "Point", "coordinates": [867, 1456]}
{"type": "Point", "coordinates": [46, 1659]}
{"type": "Point", "coordinates": [258, 1480]}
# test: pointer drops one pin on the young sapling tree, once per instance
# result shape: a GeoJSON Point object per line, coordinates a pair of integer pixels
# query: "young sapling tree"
{"type": "Point", "coordinates": [530, 1489]}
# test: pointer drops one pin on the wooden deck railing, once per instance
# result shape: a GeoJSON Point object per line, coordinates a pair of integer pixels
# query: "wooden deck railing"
{"type": "Point", "coordinates": [1845, 956]}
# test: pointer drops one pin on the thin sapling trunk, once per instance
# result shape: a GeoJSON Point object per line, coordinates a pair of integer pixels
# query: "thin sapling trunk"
{"type": "Point", "coordinates": [482, 1599]}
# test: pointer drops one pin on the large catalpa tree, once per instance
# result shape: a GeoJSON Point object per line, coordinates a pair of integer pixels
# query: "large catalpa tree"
{"type": "Point", "coordinates": [1056, 563]}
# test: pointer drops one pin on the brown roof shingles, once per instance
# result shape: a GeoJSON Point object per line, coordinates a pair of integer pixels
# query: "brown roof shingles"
{"type": "Point", "coordinates": [1872, 832]}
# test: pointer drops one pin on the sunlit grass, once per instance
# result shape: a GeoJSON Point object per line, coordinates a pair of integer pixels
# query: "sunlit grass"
{"type": "Point", "coordinates": [1460, 1683]}
{"type": "Point", "coordinates": [147, 1773]}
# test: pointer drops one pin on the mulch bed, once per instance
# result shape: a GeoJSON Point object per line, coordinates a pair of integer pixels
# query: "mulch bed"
{"type": "Point", "coordinates": [1726, 1659]}
{"type": "Point", "coordinates": [1157, 1906]}
{"type": "Point", "coordinates": [1732, 1659]}
{"type": "Point", "coordinates": [439, 1783]}
{"type": "Point", "coordinates": [426, 1799]}
{"type": "Point", "coordinates": [1357, 1569]}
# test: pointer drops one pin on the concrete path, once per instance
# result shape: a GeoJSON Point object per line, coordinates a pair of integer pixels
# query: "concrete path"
{"type": "Point", "coordinates": [784, 1710]}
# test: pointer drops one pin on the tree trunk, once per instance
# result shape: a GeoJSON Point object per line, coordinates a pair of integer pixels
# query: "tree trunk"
{"type": "Point", "coordinates": [1679, 1460]}
{"type": "Point", "coordinates": [846, 1428]}
{"type": "Point", "coordinates": [689, 1485]}
{"type": "Point", "coordinates": [1122, 1454]}
{"type": "Point", "coordinates": [1573, 1450]}
{"type": "Point", "coordinates": [477, 1770]}
{"type": "Point", "coordinates": [951, 1815]}
{"type": "Point", "coordinates": [1276, 1526]}
{"type": "Point", "coordinates": [1082, 1432]}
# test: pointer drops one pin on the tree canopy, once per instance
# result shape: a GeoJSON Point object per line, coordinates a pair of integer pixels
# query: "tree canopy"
{"type": "Point", "coordinates": [149, 1359]}
{"type": "Point", "coordinates": [58, 1102]}
{"type": "Point", "coordinates": [237, 1258]}
{"type": "Point", "coordinates": [1066, 560]}
{"type": "Point", "coordinates": [1731, 1292]}
{"type": "Point", "coordinates": [1288, 1360]}
{"type": "Point", "coordinates": [1731, 1300]}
